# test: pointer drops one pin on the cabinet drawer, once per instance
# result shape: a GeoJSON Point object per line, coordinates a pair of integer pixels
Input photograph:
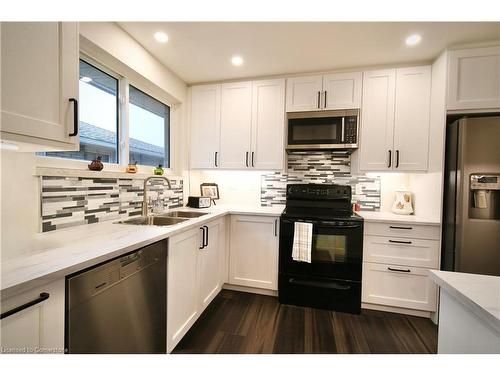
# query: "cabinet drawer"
{"type": "Point", "coordinates": [399, 286]}
{"type": "Point", "coordinates": [402, 251]}
{"type": "Point", "coordinates": [407, 230]}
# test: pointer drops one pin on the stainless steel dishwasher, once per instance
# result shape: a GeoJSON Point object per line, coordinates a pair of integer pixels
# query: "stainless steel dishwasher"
{"type": "Point", "coordinates": [119, 306]}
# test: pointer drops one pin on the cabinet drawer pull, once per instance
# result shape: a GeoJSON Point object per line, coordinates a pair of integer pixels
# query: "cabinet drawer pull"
{"type": "Point", "coordinates": [325, 103]}
{"type": "Point", "coordinates": [75, 117]}
{"type": "Point", "coordinates": [397, 158]}
{"type": "Point", "coordinates": [390, 159]}
{"type": "Point", "coordinates": [246, 159]}
{"type": "Point", "coordinates": [216, 154]}
{"type": "Point", "coordinates": [405, 242]}
{"type": "Point", "coordinates": [41, 298]}
{"type": "Point", "coordinates": [253, 155]}
{"type": "Point", "coordinates": [319, 95]}
{"type": "Point", "coordinates": [397, 269]}
{"type": "Point", "coordinates": [396, 227]}
{"type": "Point", "coordinates": [202, 238]}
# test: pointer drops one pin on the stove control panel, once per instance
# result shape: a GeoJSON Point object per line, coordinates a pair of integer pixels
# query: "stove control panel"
{"type": "Point", "coordinates": [318, 192]}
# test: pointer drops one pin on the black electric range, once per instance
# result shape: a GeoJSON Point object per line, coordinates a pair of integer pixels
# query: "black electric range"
{"type": "Point", "coordinates": [333, 278]}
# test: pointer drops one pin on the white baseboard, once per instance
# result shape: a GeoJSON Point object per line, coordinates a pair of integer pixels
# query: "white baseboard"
{"type": "Point", "coordinates": [398, 310]}
{"type": "Point", "coordinates": [248, 289]}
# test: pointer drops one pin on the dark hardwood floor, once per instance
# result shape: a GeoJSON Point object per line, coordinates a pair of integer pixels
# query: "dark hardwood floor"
{"type": "Point", "coordinates": [245, 323]}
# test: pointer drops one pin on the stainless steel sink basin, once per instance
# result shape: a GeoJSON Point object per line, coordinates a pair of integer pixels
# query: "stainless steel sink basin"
{"type": "Point", "coordinates": [183, 214]}
{"type": "Point", "coordinates": [153, 220]}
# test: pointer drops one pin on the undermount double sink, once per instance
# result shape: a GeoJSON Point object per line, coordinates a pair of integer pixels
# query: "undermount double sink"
{"type": "Point", "coordinates": [166, 219]}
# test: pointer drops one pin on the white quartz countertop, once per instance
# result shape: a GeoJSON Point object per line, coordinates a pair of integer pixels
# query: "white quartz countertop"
{"type": "Point", "coordinates": [480, 293]}
{"type": "Point", "coordinates": [62, 252]}
{"type": "Point", "coordinates": [59, 253]}
{"type": "Point", "coordinates": [377, 216]}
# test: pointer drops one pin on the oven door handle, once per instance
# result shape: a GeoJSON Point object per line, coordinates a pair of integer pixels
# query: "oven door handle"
{"type": "Point", "coordinates": [319, 284]}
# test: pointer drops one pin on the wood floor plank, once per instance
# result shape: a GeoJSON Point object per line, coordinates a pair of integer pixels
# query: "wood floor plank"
{"type": "Point", "coordinates": [237, 322]}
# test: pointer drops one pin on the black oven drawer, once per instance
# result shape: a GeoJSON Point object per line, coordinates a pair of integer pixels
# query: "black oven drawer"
{"type": "Point", "coordinates": [321, 293]}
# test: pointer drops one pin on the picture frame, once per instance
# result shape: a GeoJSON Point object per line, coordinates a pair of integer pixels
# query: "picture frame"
{"type": "Point", "coordinates": [209, 189]}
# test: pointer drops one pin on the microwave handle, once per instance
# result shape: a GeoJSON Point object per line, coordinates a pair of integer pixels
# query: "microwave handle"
{"type": "Point", "coordinates": [343, 128]}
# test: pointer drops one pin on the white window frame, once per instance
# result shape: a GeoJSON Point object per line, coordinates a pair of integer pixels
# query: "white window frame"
{"type": "Point", "coordinates": [123, 153]}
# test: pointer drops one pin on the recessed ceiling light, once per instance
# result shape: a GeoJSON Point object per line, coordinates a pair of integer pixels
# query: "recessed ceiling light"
{"type": "Point", "coordinates": [86, 79]}
{"type": "Point", "coordinates": [161, 37]}
{"type": "Point", "coordinates": [237, 60]}
{"type": "Point", "coordinates": [413, 39]}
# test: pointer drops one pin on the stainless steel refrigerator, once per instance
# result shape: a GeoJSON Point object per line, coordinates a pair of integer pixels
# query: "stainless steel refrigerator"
{"type": "Point", "coordinates": [471, 214]}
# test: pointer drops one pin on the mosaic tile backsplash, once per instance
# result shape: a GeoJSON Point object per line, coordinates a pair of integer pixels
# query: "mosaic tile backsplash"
{"type": "Point", "coordinates": [71, 201]}
{"type": "Point", "coordinates": [320, 167]}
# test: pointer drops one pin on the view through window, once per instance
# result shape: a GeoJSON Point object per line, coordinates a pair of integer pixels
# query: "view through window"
{"type": "Point", "coordinates": [148, 129]}
{"type": "Point", "coordinates": [149, 122]}
{"type": "Point", "coordinates": [98, 104]}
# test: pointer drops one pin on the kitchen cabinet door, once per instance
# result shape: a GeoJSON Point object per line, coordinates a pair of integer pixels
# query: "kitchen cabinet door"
{"type": "Point", "coordinates": [205, 126]}
{"type": "Point", "coordinates": [39, 70]}
{"type": "Point", "coordinates": [474, 78]}
{"type": "Point", "coordinates": [412, 118]}
{"type": "Point", "coordinates": [182, 295]}
{"type": "Point", "coordinates": [254, 251]}
{"type": "Point", "coordinates": [38, 328]}
{"type": "Point", "coordinates": [268, 124]}
{"type": "Point", "coordinates": [304, 93]}
{"type": "Point", "coordinates": [209, 264]}
{"type": "Point", "coordinates": [235, 125]}
{"type": "Point", "coordinates": [377, 120]}
{"type": "Point", "coordinates": [342, 90]}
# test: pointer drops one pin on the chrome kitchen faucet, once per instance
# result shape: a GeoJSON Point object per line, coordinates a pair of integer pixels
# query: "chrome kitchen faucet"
{"type": "Point", "coordinates": [145, 200]}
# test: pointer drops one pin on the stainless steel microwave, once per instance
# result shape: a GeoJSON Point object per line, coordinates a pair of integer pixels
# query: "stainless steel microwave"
{"type": "Point", "coordinates": [323, 130]}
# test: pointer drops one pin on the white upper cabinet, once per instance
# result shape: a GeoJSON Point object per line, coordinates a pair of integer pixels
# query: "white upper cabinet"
{"type": "Point", "coordinates": [324, 92]}
{"type": "Point", "coordinates": [235, 125]}
{"type": "Point", "coordinates": [238, 125]}
{"type": "Point", "coordinates": [39, 70]}
{"type": "Point", "coordinates": [474, 78]}
{"type": "Point", "coordinates": [268, 124]}
{"type": "Point", "coordinates": [412, 118]}
{"type": "Point", "coordinates": [395, 120]}
{"type": "Point", "coordinates": [205, 126]}
{"type": "Point", "coordinates": [377, 120]}
{"type": "Point", "coordinates": [304, 93]}
{"type": "Point", "coordinates": [342, 90]}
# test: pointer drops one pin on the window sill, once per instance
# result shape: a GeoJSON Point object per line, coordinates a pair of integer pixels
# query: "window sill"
{"type": "Point", "coordinates": [71, 172]}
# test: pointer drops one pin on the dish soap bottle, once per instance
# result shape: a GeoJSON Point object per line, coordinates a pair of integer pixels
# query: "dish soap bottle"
{"type": "Point", "coordinates": [159, 170]}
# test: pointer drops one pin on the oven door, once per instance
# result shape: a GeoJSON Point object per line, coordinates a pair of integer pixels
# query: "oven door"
{"type": "Point", "coordinates": [337, 250]}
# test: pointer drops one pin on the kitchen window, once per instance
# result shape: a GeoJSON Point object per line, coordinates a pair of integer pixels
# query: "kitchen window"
{"type": "Point", "coordinates": [148, 129]}
{"type": "Point", "coordinates": [143, 136]}
{"type": "Point", "coordinates": [99, 120]}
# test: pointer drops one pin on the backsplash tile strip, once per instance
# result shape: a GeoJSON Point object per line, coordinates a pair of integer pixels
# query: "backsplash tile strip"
{"type": "Point", "coordinates": [320, 167]}
{"type": "Point", "coordinates": [71, 201]}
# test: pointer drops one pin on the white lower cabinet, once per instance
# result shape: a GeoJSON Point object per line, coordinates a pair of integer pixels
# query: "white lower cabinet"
{"type": "Point", "coordinates": [396, 261]}
{"type": "Point", "coordinates": [182, 275]}
{"type": "Point", "coordinates": [253, 255]}
{"type": "Point", "coordinates": [399, 286]}
{"type": "Point", "coordinates": [38, 328]}
{"type": "Point", "coordinates": [209, 264]}
{"type": "Point", "coordinates": [194, 277]}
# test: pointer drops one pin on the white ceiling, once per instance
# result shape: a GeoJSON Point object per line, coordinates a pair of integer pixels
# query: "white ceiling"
{"type": "Point", "coordinates": [201, 51]}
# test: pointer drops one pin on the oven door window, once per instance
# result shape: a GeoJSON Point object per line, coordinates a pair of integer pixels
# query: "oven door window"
{"type": "Point", "coordinates": [329, 248]}
{"type": "Point", "coordinates": [321, 130]}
